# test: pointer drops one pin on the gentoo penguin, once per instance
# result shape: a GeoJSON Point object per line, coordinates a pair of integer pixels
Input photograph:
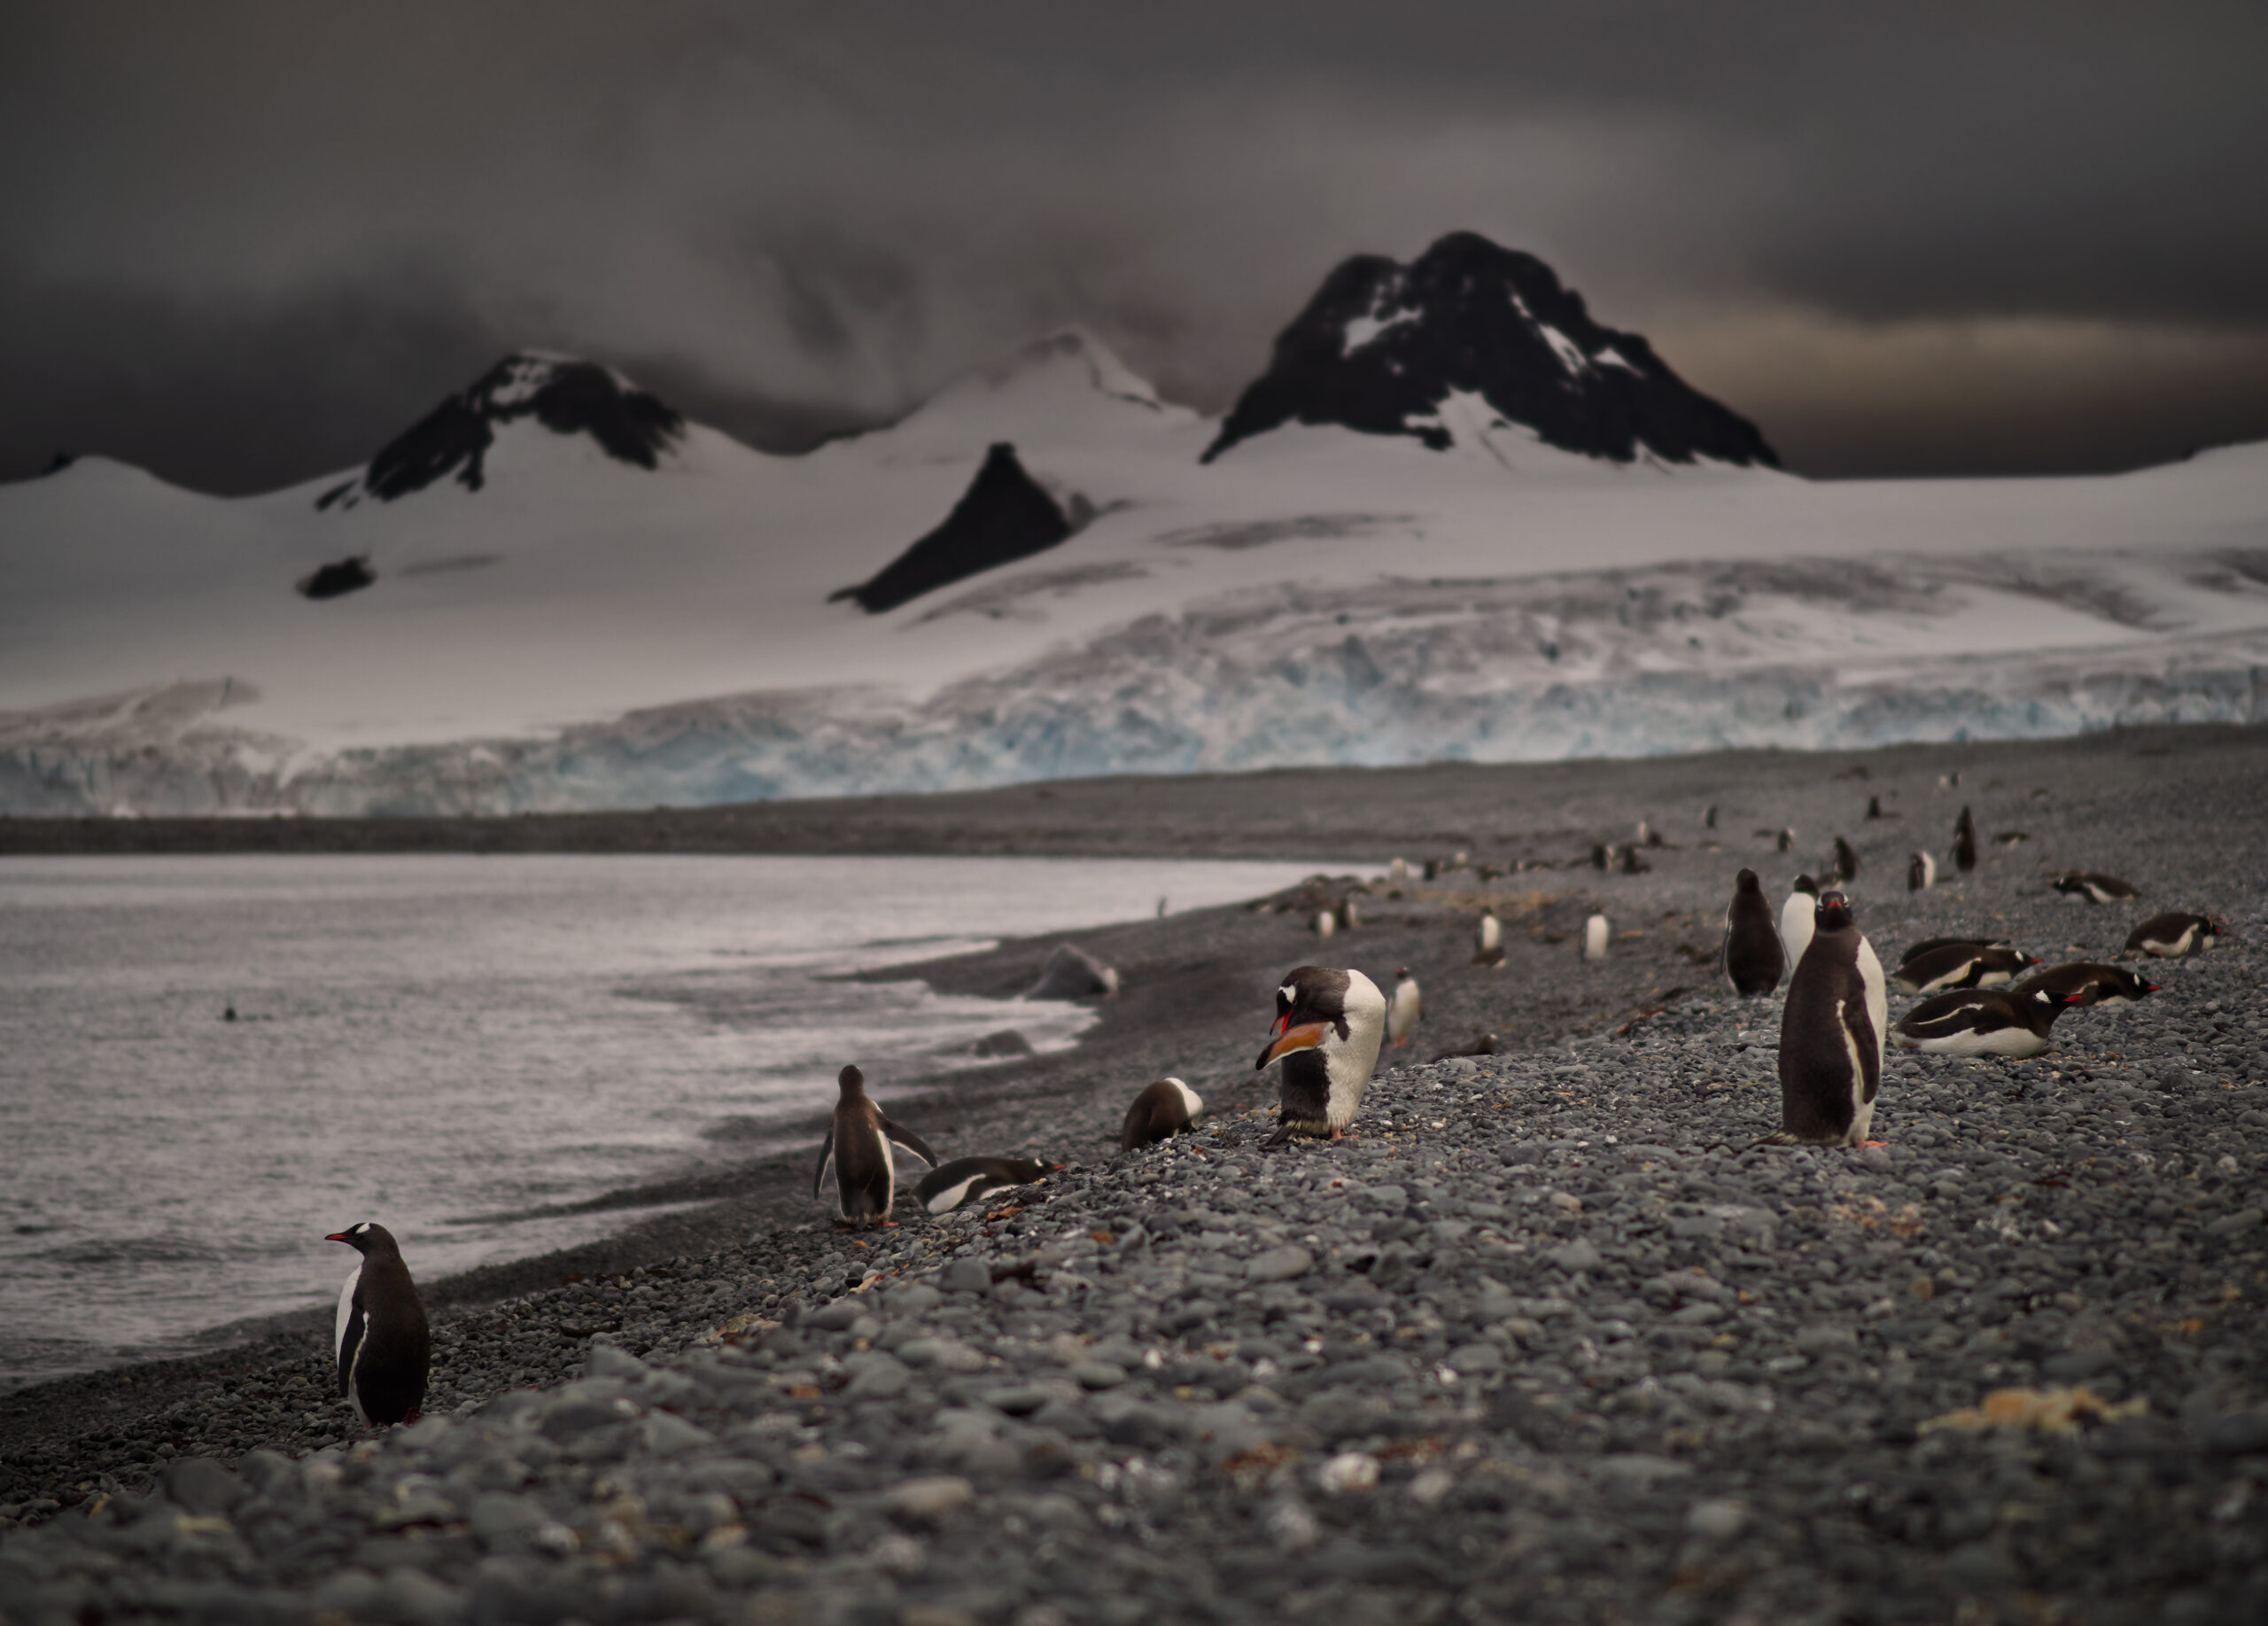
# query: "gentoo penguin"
{"type": "Point", "coordinates": [1922, 948]}
{"type": "Point", "coordinates": [1796, 918]}
{"type": "Point", "coordinates": [1488, 941]}
{"type": "Point", "coordinates": [1831, 1034]}
{"type": "Point", "coordinates": [1403, 1010]}
{"type": "Point", "coordinates": [380, 1335]}
{"type": "Point", "coordinates": [1874, 809]}
{"type": "Point", "coordinates": [1328, 1023]}
{"type": "Point", "coordinates": [2086, 885]}
{"type": "Point", "coordinates": [1326, 924]}
{"type": "Point", "coordinates": [1633, 863]}
{"type": "Point", "coordinates": [1962, 965]}
{"type": "Point", "coordinates": [1921, 873]}
{"type": "Point", "coordinates": [1847, 860]}
{"type": "Point", "coordinates": [1785, 839]}
{"type": "Point", "coordinates": [1964, 840]}
{"type": "Point", "coordinates": [2095, 984]}
{"type": "Point", "coordinates": [1602, 855]}
{"type": "Point", "coordinates": [1984, 1021]}
{"type": "Point", "coordinates": [965, 1178]}
{"type": "Point", "coordinates": [1164, 1109]}
{"type": "Point", "coordinates": [1350, 913]}
{"type": "Point", "coordinates": [1753, 957]}
{"type": "Point", "coordinates": [1595, 932]}
{"type": "Point", "coordinates": [858, 1149]}
{"type": "Point", "coordinates": [2174, 937]}
{"type": "Point", "coordinates": [1709, 818]}
{"type": "Point", "coordinates": [1398, 870]}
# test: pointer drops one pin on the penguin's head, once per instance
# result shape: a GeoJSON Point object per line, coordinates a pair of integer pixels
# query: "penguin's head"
{"type": "Point", "coordinates": [1746, 881]}
{"type": "Point", "coordinates": [361, 1237]}
{"type": "Point", "coordinates": [1402, 974]}
{"type": "Point", "coordinates": [853, 1083]}
{"type": "Point", "coordinates": [1319, 1008]}
{"type": "Point", "coordinates": [1807, 886]}
{"type": "Point", "coordinates": [1833, 914]}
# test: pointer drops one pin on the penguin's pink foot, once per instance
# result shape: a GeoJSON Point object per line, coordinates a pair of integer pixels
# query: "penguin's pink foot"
{"type": "Point", "coordinates": [1864, 1144]}
{"type": "Point", "coordinates": [892, 1224]}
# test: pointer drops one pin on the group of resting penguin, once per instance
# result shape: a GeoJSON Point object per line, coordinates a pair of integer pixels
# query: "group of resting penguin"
{"type": "Point", "coordinates": [1332, 1022]}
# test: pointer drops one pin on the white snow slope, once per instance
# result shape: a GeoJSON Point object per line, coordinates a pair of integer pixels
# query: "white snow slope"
{"type": "Point", "coordinates": [584, 633]}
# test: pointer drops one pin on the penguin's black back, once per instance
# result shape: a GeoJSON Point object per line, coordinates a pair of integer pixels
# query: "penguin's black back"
{"type": "Point", "coordinates": [1159, 1111]}
{"type": "Point", "coordinates": [385, 1353]}
{"type": "Point", "coordinates": [1754, 957]}
{"type": "Point", "coordinates": [981, 1174]}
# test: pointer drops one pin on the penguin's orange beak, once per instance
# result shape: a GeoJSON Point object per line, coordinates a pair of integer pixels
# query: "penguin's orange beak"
{"type": "Point", "coordinates": [1309, 1036]}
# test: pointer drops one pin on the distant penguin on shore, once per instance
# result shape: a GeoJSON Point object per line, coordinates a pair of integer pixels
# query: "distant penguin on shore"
{"type": "Point", "coordinates": [1831, 1035]}
{"type": "Point", "coordinates": [228, 1011]}
{"type": "Point", "coordinates": [2175, 937]}
{"type": "Point", "coordinates": [1752, 956]}
{"type": "Point", "coordinates": [1847, 860]}
{"type": "Point", "coordinates": [1404, 1010]}
{"type": "Point", "coordinates": [1964, 839]}
{"type": "Point", "coordinates": [1984, 1021]}
{"type": "Point", "coordinates": [379, 1336]}
{"type": "Point", "coordinates": [1350, 913]}
{"type": "Point", "coordinates": [1398, 870]}
{"type": "Point", "coordinates": [1921, 873]}
{"type": "Point", "coordinates": [2086, 886]}
{"type": "Point", "coordinates": [2092, 983]}
{"type": "Point", "coordinates": [1488, 941]}
{"type": "Point", "coordinates": [1602, 855]}
{"type": "Point", "coordinates": [858, 1139]}
{"type": "Point", "coordinates": [1329, 1025]}
{"type": "Point", "coordinates": [1709, 818]}
{"type": "Point", "coordinates": [964, 1179]}
{"type": "Point", "coordinates": [1795, 918]}
{"type": "Point", "coordinates": [1160, 1109]}
{"type": "Point", "coordinates": [1326, 925]}
{"type": "Point", "coordinates": [1595, 934]}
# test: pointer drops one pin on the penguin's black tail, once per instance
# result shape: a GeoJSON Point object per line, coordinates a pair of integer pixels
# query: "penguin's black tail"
{"type": "Point", "coordinates": [1779, 1138]}
{"type": "Point", "coordinates": [1283, 1133]}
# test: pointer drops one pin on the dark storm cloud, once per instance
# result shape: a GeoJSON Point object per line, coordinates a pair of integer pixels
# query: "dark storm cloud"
{"type": "Point", "coordinates": [246, 242]}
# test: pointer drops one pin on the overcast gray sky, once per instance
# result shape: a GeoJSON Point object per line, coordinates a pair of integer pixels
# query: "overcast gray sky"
{"type": "Point", "coordinates": [245, 244]}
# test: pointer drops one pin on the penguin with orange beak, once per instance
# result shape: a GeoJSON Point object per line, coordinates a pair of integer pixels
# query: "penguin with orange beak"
{"type": "Point", "coordinates": [1329, 1025]}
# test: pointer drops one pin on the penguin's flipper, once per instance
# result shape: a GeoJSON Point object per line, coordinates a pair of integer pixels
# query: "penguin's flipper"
{"type": "Point", "coordinates": [1784, 1137]}
{"type": "Point", "coordinates": [1283, 1133]}
{"type": "Point", "coordinates": [1866, 1043]}
{"type": "Point", "coordinates": [910, 1141]}
{"type": "Point", "coordinates": [350, 1346]}
{"type": "Point", "coordinates": [825, 1162]}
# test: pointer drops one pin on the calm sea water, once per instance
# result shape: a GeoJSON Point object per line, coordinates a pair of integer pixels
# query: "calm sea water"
{"type": "Point", "coordinates": [443, 1044]}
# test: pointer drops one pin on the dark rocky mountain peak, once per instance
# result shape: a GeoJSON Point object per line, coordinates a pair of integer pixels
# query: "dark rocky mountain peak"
{"type": "Point", "coordinates": [565, 395]}
{"type": "Point", "coordinates": [1384, 347]}
{"type": "Point", "coordinates": [1003, 515]}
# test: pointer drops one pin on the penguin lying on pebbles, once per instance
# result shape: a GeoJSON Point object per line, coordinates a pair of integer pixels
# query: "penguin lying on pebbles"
{"type": "Point", "coordinates": [1328, 1023]}
{"type": "Point", "coordinates": [1921, 873]}
{"type": "Point", "coordinates": [1404, 1010]}
{"type": "Point", "coordinates": [1984, 1021]}
{"type": "Point", "coordinates": [380, 1336]}
{"type": "Point", "coordinates": [1164, 1109]}
{"type": "Point", "coordinates": [1964, 841]}
{"type": "Point", "coordinates": [1483, 1044]}
{"type": "Point", "coordinates": [2093, 984]}
{"type": "Point", "coordinates": [966, 1179]}
{"type": "Point", "coordinates": [1795, 918]}
{"type": "Point", "coordinates": [2085, 884]}
{"type": "Point", "coordinates": [1753, 957]}
{"type": "Point", "coordinates": [1915, 951]}
{"type": "Point", "coordinates": [1488, 941]}
{"type": "Point", "coordinates": [2174, 937]}
{"type": "Point", "coordinates": [1831, 1035]}
{"type": "Point", "coordinates": [1962, 965]}
{"type": "Point", "coordinates": [858, 1149]}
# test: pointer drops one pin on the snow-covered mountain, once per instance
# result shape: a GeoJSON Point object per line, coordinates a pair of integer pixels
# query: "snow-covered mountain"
{"type": "Point", "coordinates": [575, 598]}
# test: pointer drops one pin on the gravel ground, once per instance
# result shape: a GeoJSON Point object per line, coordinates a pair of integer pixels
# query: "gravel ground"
{"type": "Point", "coordinates": [1548, 1340]}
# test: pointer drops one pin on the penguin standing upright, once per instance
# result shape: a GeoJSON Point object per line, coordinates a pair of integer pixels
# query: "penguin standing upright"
{"type": "Point", "coordinates": [1753, 957]}
{"type": "Point", "coordinates": [1847, 860]}
{"type": "Point", "coordinates": [1921, 873]}
{"type": "Point", "coordinates": [1488, 941]}
{"type": "Point", "coordinates": [1164, 1109]}
{"type": "Point", "coordinates": [858, 1139]}
{"type": "Point", "coordinates": [1964, 837]}
{"type": "Point", "coordinates": [1404, 1010]}
{"type": "Point", "coordinates": [1325, 924]}
{"type": "Point", "coordinates": [380, 1337]}
{"type": "Point", "coordinates": [1328, 1023]}
{"type": "Point", "coordinates": [1594, 934]}
{"type": "Point", "coordinates": [1831, 1035]}
{"type": "Point", "coordinates": [1795, 919]}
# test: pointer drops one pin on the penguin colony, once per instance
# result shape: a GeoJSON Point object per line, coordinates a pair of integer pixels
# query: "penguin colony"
{"type": "Point", "coordinates": [1331, 1023]}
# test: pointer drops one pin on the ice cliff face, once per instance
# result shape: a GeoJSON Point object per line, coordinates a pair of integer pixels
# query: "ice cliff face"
{"type": "Point", "coordinates": [1469, 338]}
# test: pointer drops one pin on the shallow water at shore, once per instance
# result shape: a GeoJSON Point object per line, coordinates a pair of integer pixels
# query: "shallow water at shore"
{"type": "Point", "coordinates": [449, 1045]}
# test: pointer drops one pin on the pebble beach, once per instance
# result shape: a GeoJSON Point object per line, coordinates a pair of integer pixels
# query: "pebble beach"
{"type": "Point", "coordinates": [1548, 1338]}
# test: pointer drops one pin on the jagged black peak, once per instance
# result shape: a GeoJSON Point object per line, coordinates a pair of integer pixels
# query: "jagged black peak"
{"type": "Point", "coordinates": [565, 395]}
{"type": "Point", "coordinates": [1382, 345]}
{"type": "Point", "coordinates": [1003, 515]}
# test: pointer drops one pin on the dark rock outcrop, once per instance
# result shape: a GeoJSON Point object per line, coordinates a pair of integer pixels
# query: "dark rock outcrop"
{"type": "Point", "coordinates": [1382, 347]}
{"type": "Point", "coordinates": [566, 396]}
{"type": "Point", "coordinates": [1003, 515]}
{"type": "Point", "coordinates": [338, 579]}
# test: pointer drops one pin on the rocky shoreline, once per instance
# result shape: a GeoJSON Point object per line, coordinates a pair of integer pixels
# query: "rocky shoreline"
{"type": "Point", "coordinates": [1549, 1340]}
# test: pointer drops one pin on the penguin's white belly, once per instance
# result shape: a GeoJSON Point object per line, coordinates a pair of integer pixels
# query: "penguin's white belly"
{"type": "Point", "coordinates": [1796, 927]}
{"type": "Point", "coordinates": [2018, 1043]}
{"type": "Point", "coordinates": [1993, 979]}
{"type": "Point", "coordinates": [952, 1196]}
{"type": "Point", "coordinates": [345, 1310]}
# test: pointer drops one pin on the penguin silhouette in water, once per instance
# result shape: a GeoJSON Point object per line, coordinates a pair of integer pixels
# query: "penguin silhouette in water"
{"type": "Point", "coordinates": [1754, 959]}
{"type": "Point", "coordinates": [857, 1145]}
{"type": "Point", "coordinates": [1964, 839]}
{"type": "Point", "coordinates": [380, 1337]}
{"type": "Point", "coordinates": [1831, 1036]}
